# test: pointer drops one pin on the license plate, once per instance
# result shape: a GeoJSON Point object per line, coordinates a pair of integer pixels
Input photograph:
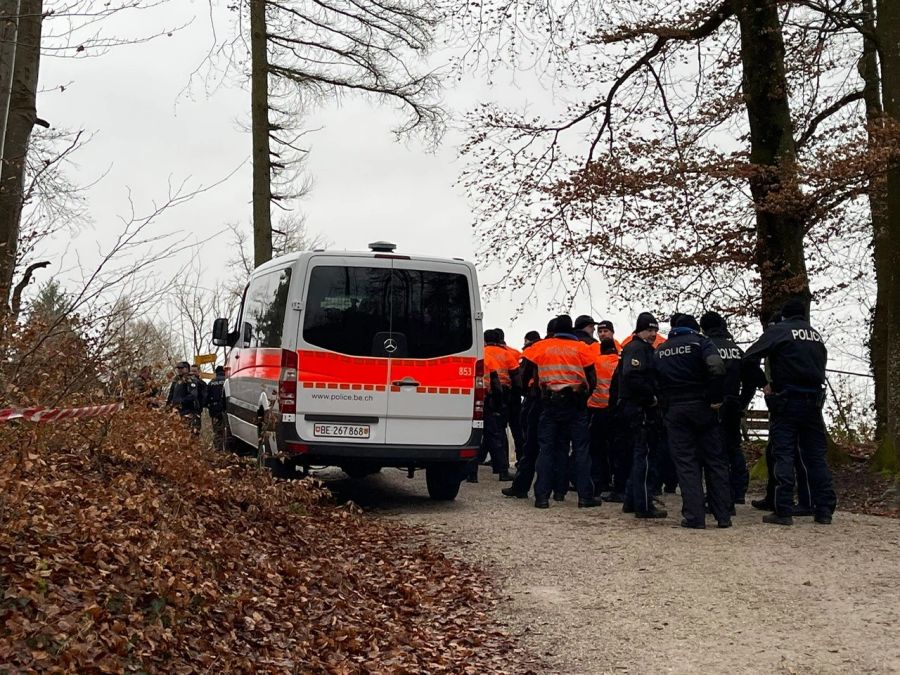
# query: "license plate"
{"type": "Point", "coordinates": [341, 430]}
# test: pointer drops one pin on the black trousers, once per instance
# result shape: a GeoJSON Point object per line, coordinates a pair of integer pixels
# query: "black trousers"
{"type": "Point", "coordinates": [514, 419]}
{"type": "Point", "coordinates": [563, 425]}
{"type": "Point", "coordinates": [493, 440]}
{"type": "Point", "coordinates": [639, 490]}
{"type": "Point", "coordinates": [602, 431]}
{"type": "Point", "coordinates": [531, 413]}
{"type": "Point", "coordinates": [804, 494]}
{"type": "Point", "coordinates": [730, 427]}
{"type": "Point", "coordinates": [797, 424]}
{"type": "Point", "coordinates": [695, 442]}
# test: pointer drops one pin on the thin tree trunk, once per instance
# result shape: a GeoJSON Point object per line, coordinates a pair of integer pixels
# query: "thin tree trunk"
{"type": "Point", "coordinates": [779, 222]}
{"type": "Point", "coordinates": [9, 25]}
{"type": "Point", "coordinates": [888, 31]}
{"type": "Point", "coordinates": [259, 102]}
{"type": "Point", "coordinates": [879, 322]}
{"type": "Point", "coordinates": [20, 123]}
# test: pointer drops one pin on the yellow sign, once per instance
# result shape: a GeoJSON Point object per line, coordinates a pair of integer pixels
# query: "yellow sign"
{"type": "Point", "coordinates": [200, 359]}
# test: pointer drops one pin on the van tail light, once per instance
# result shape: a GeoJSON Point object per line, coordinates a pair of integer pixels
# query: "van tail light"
{"type": "Point", "coordinates": [287, 382]}
{"type": "Point", "coordinates": [480, 391]}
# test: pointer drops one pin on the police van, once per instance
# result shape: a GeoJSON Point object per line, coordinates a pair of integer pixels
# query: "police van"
{"type": "Point", "coordinates": [361, 361]}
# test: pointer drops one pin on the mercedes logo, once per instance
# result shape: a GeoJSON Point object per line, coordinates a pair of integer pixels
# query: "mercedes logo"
{"type": "Point", "coordinates": [390, 345]}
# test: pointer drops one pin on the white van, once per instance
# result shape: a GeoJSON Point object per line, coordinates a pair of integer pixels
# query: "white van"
{"type": "Point", "coordinates": [363, 360]}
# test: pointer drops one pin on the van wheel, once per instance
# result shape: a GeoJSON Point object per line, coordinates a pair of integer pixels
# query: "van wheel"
{"type": "Point", "coordinates": [443, 482]}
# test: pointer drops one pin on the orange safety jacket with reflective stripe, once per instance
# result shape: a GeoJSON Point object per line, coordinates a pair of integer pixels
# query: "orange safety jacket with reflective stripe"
{"type": "Point", "coordinates": [561, 363]}
{"type": "Point", "coordinates": [605, 366]}
{"type": "Point", "coordinates": [498, 359]}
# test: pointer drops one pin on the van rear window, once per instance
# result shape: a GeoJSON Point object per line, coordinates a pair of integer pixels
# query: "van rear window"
{"type": "Point", "coordinates": [353, 310]}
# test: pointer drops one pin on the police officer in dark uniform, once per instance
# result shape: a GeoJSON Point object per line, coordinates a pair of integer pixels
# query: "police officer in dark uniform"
{"type": "Point", "coordinates": [738, 394]}
{"type": "Point", "coordinates": [797, 358]}
{"type": "Point", "coordinates": [531, 412]}
{"type": "Point", "coordinates": [691, 378]}
{"type": "Point", "coordinates": [215, 406]}
{"type": "Point", "coordinates": [637, 386]}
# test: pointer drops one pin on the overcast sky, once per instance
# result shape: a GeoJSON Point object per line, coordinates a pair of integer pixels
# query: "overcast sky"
{"type": "Point", "coordinates": [153, 125]}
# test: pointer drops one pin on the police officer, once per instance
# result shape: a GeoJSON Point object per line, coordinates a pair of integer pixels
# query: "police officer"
{"type": "Point", "coordinates": [691, 378]}
{"type": "Point", "coordinates": [566, 376]}
{"type": "Point", "coordinates": [514, 401]}
{"type": "Point", "coordinates": [502, 367]}
{"type": "Point", "coordinates": [531, 413]}
{"type": "Point", "coordinates": [797, 358]}
{"type": "Point", "coordinates": [185, 397]}
{"type": "Point", "coordinates": [602, 416]}
{"type": "Point", "coordinates": [215, 406]}
{"type": "Point", "coordinates": [738, 394]}
{"type": "Point", "coordinates": [637, 387]}
{"type": "Point", "coordinates": [173, 399]}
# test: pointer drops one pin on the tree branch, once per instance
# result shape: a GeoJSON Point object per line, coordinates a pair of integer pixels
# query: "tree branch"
{"type": "Point", "coordinates": [16, 303]}
{"type": "Point", "coordinates": [826, 113]}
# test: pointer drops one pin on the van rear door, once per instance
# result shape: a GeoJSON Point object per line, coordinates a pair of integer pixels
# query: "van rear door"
{"type": "Point", "coordinates": [432, 373]}
{"type": "Point", "coordinates": [343, 372]}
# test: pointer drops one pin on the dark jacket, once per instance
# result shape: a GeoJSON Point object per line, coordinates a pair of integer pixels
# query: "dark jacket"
{"type": "Point", "coordinates": [637, 377]}
{"type": "Point", "coordinates": [796, 356]}
{"type": "Point", "coordinates": [215, 396]}
{"type": "Point", "coordinates": [187, 394]}
{"type": "Point", "coordinates": [689, 368]}
{"type": "Point", "coordinates": [737, 387]}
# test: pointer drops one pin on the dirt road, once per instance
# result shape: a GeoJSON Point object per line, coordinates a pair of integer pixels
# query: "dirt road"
{"type": "Point", "coordinates": [596, 591]}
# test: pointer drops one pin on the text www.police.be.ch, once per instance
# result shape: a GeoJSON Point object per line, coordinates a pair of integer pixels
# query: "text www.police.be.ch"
{"type": "Point", "coordinates": [344, 396]}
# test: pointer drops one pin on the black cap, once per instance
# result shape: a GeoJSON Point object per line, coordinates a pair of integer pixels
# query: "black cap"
{"type": "Point", "coordinates": [606, 324]}
{"type": "Point", "coordinates": [532, 336]}
{"type": "Point", "coordinates": [491, 336]}
{"type": "Point", "coordinates": [584, 321]}
{"type": "Point", "coordinates": [183, 364]}
{"type": "Point", "coordinates": [793, 307]}
{"type": "Point", "coordinates": [687, 321]}
{"type": "Point", "coordinates": [563, 324]}
{"type": "Point", "coordinates": [645, 321]}
{"type": "Point", "coordinates": [220, 370]}
{"type": "Point", "coordinates": [712, 321]}
{"type": "Point", "coordinates": [673, 320]}
{"type": "Point", "coordinates": [608, 346]}
{"type": "Point", "coordinates": [500, 334]}
{"type": "Point", "coordinates": [551, 326]}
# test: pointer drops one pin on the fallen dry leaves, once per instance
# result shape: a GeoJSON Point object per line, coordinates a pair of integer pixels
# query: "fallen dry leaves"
{"type": "Point", "coordinates": [126, 547]}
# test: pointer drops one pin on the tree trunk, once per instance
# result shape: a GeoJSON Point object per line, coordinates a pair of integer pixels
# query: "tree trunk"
{"type": "Point", "coordinates": [259, 102]}
{"type": "Point", "coordinates": [9, 25]}
{"type": "Point", "coordinates": [20, 122]}
{"type": "Point", "coordinates": [888, 31]}
{"type": "Point", "coordinates": [779, 218]}
{"type": "Point", "coordinates": [879, 321]}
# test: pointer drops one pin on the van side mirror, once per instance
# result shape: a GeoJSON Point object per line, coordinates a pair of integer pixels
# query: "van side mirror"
{"type": "Point", "coordinates": [220, 333]}
{"type": "Point", "coordinates": [247, 334]}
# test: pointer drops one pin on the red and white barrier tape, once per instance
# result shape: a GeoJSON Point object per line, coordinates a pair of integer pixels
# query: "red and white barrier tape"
{"type": "Point", "coordinates": [38, 414]}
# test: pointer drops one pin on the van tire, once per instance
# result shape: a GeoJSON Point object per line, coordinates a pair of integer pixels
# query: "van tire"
{"type": "Point", "coordinates": [443, 481]}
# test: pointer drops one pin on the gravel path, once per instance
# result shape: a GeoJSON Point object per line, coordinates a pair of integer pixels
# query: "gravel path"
{"type": "Point", "coordinates": [597, 591]}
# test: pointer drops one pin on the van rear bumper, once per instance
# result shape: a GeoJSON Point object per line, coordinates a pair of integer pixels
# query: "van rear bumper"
{"type": "Point", "coordinates": [333, 454]}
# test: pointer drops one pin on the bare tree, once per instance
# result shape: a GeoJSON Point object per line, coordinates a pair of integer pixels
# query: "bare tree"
{"type": "Point", "coordinates": [303, 52]}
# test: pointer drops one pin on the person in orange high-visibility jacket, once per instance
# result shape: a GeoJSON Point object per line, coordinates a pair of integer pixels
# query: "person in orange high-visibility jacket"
{"type": "Point", "coordinates": [566, 375]}
{"type": "Point", "coordinates": [502, 369]}
{"type": "Point", "coordinates": [602, 416]}
{"type": "Point", "coordinates": [514, 403]}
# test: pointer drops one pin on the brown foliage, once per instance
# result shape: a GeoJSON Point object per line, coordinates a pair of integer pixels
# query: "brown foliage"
{"type": "Point", "coordinates": [126, 546]}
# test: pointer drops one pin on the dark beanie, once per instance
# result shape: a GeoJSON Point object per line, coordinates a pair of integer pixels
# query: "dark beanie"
{"type": "Point", "coordinates": [712, 321]}
{"type": "Point", "coordinates": [645, 320]}
{"type": "Point", "coordinates": [793, 307]}
{"type": "Point", "coordinates": [673, 320]}
{"type": "Point", "coordinates": [532, 336]}
{"type": "Point", "coordinates": [608, 346]}
{"type": "Point", "coordinates": [687, 321]}
{"type": "Point", "coordinates": [606, 324]}
{"type": "Point", "coordinates": [551, 326]}
{"type": "Point", "coordinates": [563, 324]}
{"type": "Point", "coordinates": [490, 336]}
{"type": "Point", "coordinates": [584, 321]}
{"type": "Point", "coordinates": [500, 334]}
